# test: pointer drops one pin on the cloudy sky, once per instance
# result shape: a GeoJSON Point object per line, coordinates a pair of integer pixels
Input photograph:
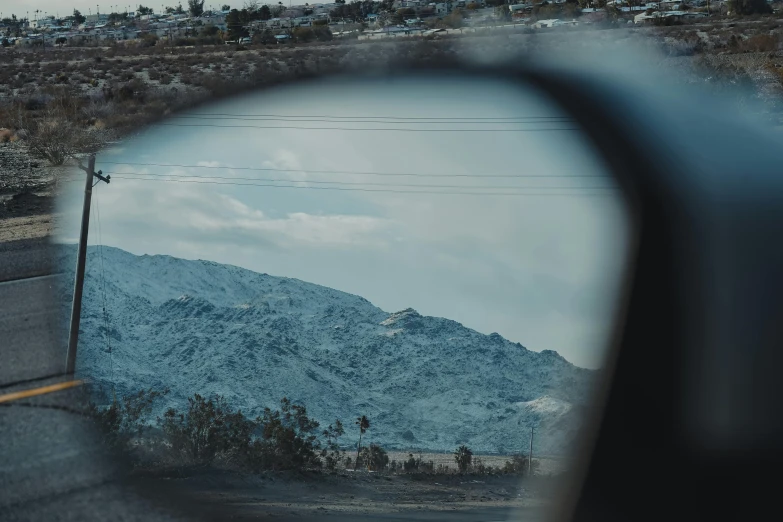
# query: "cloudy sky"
{"type": "Point", "coordinates": [538, 263]}
{"type": "Point", "coordinates": [66, 7]}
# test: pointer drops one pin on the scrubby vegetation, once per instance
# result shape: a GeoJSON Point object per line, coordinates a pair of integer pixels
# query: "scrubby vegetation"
{"type": "Point", "coordinates": [208, 432]}
{"type": "Point", "coordinates": [68, 101]}
{"type": "Point", "coordinates": [66, 104]}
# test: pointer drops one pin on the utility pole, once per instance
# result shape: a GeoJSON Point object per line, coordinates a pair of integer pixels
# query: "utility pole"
{"type": "Point", "coordinates": [530, 455]}
{"type": "Point", "coordinates": [81, 259]}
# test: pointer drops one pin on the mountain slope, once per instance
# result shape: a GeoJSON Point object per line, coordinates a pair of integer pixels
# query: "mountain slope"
{"type": "Point", "coordinates": [425, 382]}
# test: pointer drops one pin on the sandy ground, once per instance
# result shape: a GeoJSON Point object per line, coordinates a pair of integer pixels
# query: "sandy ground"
{"type": "Point", "coordinates": [364, 495]}
{"type": "Point", "coordinates": [546, 466]}
{"type": "Point", "coordinates": [26, 216]}
{"type": "Point", "coordinates": [29, 227]}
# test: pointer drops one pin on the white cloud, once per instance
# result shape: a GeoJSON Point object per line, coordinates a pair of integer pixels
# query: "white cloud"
{"type": "Point", "coordinates": [196, 213]}
{"type": "Point", "coordinates": [208, 163]}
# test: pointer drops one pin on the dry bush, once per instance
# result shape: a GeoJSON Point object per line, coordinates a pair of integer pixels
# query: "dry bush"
{"type": "Point", "coordinates": [55, 139]}
{"type": "Point", "coordinates": [776, 70]}
{"type": "Point", "coordinates": [760, 43]}
{"type": "Point", "coordinates": [98, 108]}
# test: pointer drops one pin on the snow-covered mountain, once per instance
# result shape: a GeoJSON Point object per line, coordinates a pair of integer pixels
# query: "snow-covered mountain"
{"type": "Point", "coordinates": [424, 382]}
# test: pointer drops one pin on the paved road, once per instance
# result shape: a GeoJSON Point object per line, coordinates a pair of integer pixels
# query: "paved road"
{"type": "Point", "coordinates": [25, 258]}
{"type": "Point", "coordinates": [30, 337]}
{"type": "Point", "coordinates": [52, 465]}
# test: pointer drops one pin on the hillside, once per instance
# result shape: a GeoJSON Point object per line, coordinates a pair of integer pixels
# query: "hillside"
{"type": "Point", "coordinates": [425, 382]}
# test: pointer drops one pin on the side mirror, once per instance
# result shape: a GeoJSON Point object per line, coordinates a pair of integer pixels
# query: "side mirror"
{"type": "Point", "coordinates": [390, 202]}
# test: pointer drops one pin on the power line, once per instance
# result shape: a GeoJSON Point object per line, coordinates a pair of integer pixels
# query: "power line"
{"type": "Point", "coordinates": [432, 121]}
{"type": "Point", "coordinates": [384, 117]}
{"type": "Point", "coordinates": [355, 183]}
{"type": "Point", "coordinates": [364, 189]}
{"type": "Point", "coordinates": [360, 129]}
{"type": "Point", "coordinates": [389, 122]}
{"type": "Point", "coordinates": [356, 173]}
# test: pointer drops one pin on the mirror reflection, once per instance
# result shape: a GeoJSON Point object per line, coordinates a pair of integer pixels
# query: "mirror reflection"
{"type": "Point", "coordinates": [394, 295]}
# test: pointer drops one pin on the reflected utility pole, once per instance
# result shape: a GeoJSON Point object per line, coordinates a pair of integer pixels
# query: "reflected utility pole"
{"type": "Point", "coordinates": [530, 455]}
{"type": "Point", "coordinates": [81, 261]}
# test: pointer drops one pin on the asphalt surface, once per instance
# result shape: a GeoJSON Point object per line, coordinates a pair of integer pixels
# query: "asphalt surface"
{"type": "Point", "coordinates": [53, 465]}
{"type": "Point", "coordinates": [25, 258]}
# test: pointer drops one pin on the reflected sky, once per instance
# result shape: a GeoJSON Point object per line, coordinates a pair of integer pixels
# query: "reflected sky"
{"type": "Point", "coordinates": [459, 198]}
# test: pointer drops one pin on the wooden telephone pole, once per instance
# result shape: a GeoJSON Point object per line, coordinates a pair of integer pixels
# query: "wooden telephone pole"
{"type": "Point", "coordinates": [81, 260]}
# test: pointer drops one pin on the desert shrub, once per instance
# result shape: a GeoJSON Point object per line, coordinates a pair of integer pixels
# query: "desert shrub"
{"type": "Point", "coordinates": [416, 464]}
{"type": "Point", "coordinates": [307, 34]}
{"type": "Point", "coordinates": [322, 33]}
{"type": "Point", "coordinates": [777, 71]}
{"type": "Point", "coordinates": [373, 457]}
{"type": "Point", "coordinates": [463, 456]}
{"type": "Point", "coordinates": [682, 47]}
{"type": "Point", "coordinates": [208, 430]}
{"type": "Point", "coordinates": [289, 439]}
{"type": "Point", "coordinates": [518, 465]}
{"type": "Point", "coordinates": [266, 37]}
{"type": "Point", "coordinates": [759, 43]}
{"type": "Point", "coordinates": [148, 40]}
{"type": "Point", "coordinates": [219, 85]}
{"type": "Point", "coordinates": [135, 89]}
{"type": "Point", "coordinates": [208, 40]}
{"type": "Point", "coordinates": [412, 464]}
{"type": "Point", "coordinates": [125, 420]}
{"type": "Point", "coordinates": [183, 41]}
{"type": "Point", "coordinates": [56, 139]}
{"type": "Point", "coordinates": [332, 454]}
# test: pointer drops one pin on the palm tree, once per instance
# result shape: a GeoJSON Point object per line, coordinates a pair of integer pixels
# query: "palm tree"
{"type": "Point", "coordinates": [364, 424]}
